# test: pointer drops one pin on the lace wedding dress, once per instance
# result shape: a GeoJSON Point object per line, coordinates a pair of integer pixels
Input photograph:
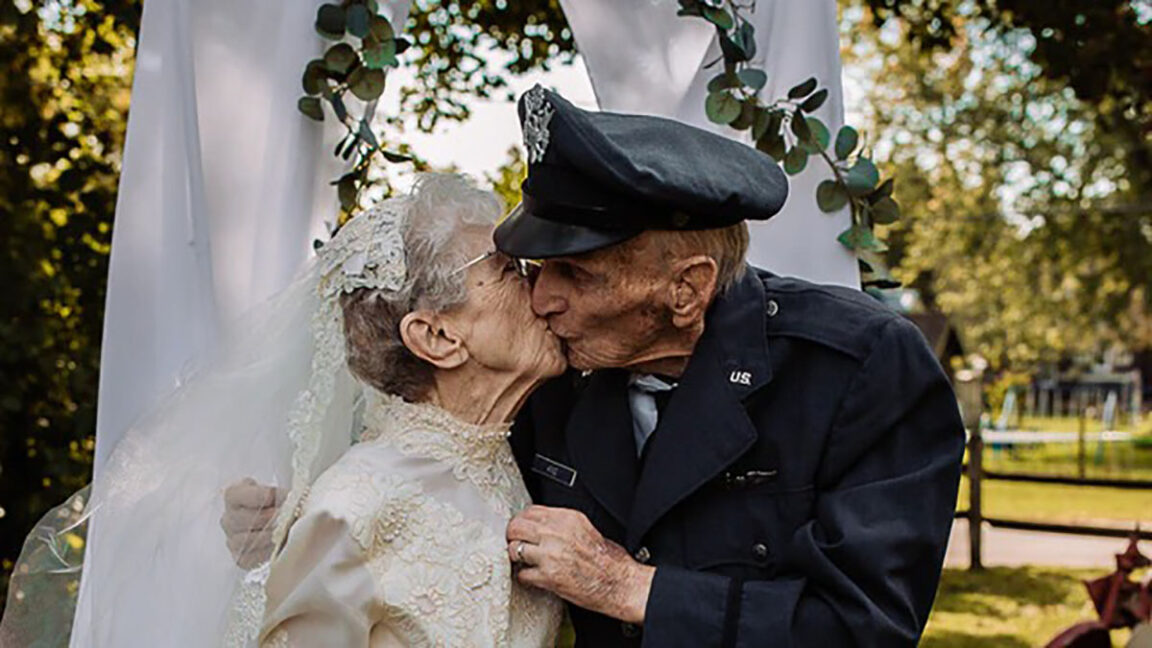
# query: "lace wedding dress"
{"type": "Point", "coordinates": [401, 542]}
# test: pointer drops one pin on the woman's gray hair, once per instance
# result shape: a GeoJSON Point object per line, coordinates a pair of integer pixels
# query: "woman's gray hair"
{"type": "Point", "coordinates": [439, 206]}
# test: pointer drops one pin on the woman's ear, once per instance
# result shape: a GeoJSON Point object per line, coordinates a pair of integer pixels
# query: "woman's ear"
{"type": "Point", "coordinates": [693, 286]}
{"type": "Point", "coordinates": [432, 339]}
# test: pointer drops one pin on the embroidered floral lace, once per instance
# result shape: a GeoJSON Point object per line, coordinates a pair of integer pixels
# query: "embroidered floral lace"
{"type": "Point", "coordinates": [423, 500]}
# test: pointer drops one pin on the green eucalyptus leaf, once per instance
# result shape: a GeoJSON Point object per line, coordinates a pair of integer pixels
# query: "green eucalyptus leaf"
{"type": "Point", "coordinates": [800, 127]}
{"type": "Point", "coordinates": [381, 55]}
{"type": "Point", "coordinates": [859, 237]}
{"type": "Point", "coordinates": [773, 144]}
{"type": "Point", "coordinates": [722, 107]}
{"type": "Point", "coordinates": [813, 103]}
{"type": "Point", "coordinates": [395, 158]}
{"type": "Point", "coordinates": [347, 191]}
{"type": "Point", "coordinates": [722, 81]}
{"type": "Point", "coordinates": [746, 38]}
{"type": "Point", "coordinates": [862, 177]}
{"type": "Point", "coordinates": [718, 16]}
{"type": "Point", "coordinates": [340, 58]}
{"type": "Point", "coordinates": [795, 160]}
{"type": "Point", "coordinates": [883, 191]}
{"type": "Point", "coordinates": [310, 106]}
{"type": "Point", "coordinates": [885, 211]}
{"type": "Point", "coordinates": [746, 117]}
{"type": "Point", "coordinates": [373, 6]}
{"type": "Point", "coordinates": [803, 90]}
{"type": "Point", "coordinates": [367, 84]}
{"type": "Point", "coordinates": [402, 45]}
{"type": "Point", "coordinates": [760, 123]}
{"type": "Point", "coordinates": [356, 20]}
{"type": "Point", "coordinates": [831, 196]}
{"type": "Point", "coordinates": [380, 28]}
{"type": "Point", "coordinates": [314, 77]}
{"type": "Point", "coordinates": [330, 21]}
{"type": "Point", "coordinates": [846, 141]}
{"type": "Point", "coordinates": [731, 51]}
{"type": "Point", "coordinates": [818, 136]}
{"type": "Point", "coordinates": [753, 78]}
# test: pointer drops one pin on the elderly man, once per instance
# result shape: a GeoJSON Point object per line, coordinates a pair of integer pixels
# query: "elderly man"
{"type": "Point", "coordinates": [738, 459]}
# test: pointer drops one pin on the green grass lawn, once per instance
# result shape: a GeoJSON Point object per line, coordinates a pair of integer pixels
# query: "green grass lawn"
{"type": "Point", "coordinates": [1009, 607]}
{"type": "Point", "coordinates": [1056, 503]}
{"type": "Point", "coordinates": [1119, 460]}
{"type": "Point", "coordinates": [1000, 607]}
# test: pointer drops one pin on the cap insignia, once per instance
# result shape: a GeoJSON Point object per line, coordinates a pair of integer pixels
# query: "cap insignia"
{"type": "Point", "coordinates": [537, 113]}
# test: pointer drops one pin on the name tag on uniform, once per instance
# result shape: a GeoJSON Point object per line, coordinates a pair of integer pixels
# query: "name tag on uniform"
{"type": "Point", "coordinates": [736, 481]}
{"type": "Point", "coordinates": [554, 470]}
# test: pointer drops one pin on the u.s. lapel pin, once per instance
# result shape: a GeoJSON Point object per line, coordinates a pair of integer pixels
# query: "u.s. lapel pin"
{"type": "Point", "coordinates": [740, 377]}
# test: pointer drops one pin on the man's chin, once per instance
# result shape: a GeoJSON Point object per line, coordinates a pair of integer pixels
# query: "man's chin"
{"type": "Point", "coordinates": [578, 361]}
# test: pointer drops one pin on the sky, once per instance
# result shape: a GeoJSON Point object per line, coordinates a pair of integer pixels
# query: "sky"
{"type": "Point", "coordinates": [481, 144]}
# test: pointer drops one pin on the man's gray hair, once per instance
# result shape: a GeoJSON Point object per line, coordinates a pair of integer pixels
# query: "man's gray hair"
{"type": "Point", "coordinates": [439, 206]}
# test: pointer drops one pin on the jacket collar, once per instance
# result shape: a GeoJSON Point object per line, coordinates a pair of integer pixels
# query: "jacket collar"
{"type": "Point", "coordinates": [705, 427]}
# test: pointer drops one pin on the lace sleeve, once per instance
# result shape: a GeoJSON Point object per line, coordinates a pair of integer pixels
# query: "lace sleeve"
{"type": "Point", "coordinates": [320, 591]}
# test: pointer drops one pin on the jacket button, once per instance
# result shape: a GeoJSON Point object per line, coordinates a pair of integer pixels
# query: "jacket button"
{"type": "Point", "coordinates": [773, 308]}
{"type": "Point", "coordinates": [630, 630]}
{"type": "Point", "coordinates": [643, 555]}
{"type": "Point", "coordinates": [760, 550]}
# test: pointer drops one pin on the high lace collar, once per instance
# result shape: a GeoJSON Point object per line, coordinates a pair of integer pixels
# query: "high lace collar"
{"type": "Point", "coordinates": [388, 417]}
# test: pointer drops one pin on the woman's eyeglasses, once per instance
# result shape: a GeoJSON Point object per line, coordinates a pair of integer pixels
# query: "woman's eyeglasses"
{"type": "Point", "coordinates": [526, 268]}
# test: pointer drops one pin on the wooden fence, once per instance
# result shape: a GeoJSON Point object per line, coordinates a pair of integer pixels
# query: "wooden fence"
{"type": "Point", "coordinates": [976, 518]}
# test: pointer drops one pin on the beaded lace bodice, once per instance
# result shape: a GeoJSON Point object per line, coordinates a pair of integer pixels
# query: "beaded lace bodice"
{"type": "Point", "coordinates": [421, 501]}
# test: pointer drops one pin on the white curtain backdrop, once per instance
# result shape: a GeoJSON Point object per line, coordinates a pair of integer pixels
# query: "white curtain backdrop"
{"type": "Point", "coordinates": [643, 58]}
{"type": "Point", "coordinates": [224, 187]}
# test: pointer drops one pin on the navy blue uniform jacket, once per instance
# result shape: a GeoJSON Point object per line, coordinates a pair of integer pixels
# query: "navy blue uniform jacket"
{"type": "Point", "coordinates": [799, 487]}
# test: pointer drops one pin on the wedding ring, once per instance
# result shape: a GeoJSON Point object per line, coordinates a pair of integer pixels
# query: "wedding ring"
{"type": "Point", "coordinates": [520, 552]}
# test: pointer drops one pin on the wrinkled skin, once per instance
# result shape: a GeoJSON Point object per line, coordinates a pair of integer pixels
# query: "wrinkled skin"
{"type": "Point", "coordinates": [560, 551]}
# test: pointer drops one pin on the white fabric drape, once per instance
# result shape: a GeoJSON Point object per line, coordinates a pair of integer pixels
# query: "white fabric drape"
{"type": "Point", "coordinates": [224, 187]}
{"type": "Point", "coordinates": [643, 58]}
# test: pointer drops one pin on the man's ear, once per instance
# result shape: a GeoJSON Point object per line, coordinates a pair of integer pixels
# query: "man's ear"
{"type": "Point", "coordinates": [432, 338]}
{"type": "Point", "coordinates": [693, 286]}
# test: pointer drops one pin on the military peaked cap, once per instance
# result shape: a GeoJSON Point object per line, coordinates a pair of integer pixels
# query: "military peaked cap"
{"type": "Point", "coordinates": [599, 178]}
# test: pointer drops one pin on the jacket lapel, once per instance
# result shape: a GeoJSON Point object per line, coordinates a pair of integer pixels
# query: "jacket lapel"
{"type": "Point", "coordinates": [601, 444]}
{"type": "Point", "coordinates": [705, 428]}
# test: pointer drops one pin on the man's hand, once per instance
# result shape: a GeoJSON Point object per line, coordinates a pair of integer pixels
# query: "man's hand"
{"type": "Point", "coordinates": [560, 551]}
{"type": "Point", "coordinates": [249, 512]}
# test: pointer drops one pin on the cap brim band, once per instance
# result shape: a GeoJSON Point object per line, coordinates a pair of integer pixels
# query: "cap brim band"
{"type": "Point", "coordinates": [527, 236]}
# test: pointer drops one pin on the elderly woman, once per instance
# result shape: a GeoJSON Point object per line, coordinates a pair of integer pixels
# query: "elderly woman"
{"type": "Point", "coordinates": [401, 541]}
{"type": "Point", "coordinates": [375, 393]}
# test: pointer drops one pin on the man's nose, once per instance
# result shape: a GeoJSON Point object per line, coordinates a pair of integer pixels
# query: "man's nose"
{"type": "Point", "coordinates": [546, 299]}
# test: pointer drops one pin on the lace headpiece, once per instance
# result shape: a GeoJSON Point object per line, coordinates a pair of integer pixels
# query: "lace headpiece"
{"type": "Point", "coordinates": [368, 251]}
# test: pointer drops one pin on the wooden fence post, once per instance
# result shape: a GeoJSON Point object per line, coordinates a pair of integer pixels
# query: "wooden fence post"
{"type": "Point", "coordinates": [1081, 444]}
{"type": "Point", "coordinates": [975, 511]}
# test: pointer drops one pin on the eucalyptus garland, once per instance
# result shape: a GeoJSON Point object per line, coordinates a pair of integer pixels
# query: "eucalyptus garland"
{"type": "Point", "coordinates": [366, 46]}
{"type": "Point", "coordinates": [786, 130]}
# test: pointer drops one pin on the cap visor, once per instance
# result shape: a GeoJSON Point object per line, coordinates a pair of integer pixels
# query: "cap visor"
{"type": "Point", "coordinates": [527, 236]}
